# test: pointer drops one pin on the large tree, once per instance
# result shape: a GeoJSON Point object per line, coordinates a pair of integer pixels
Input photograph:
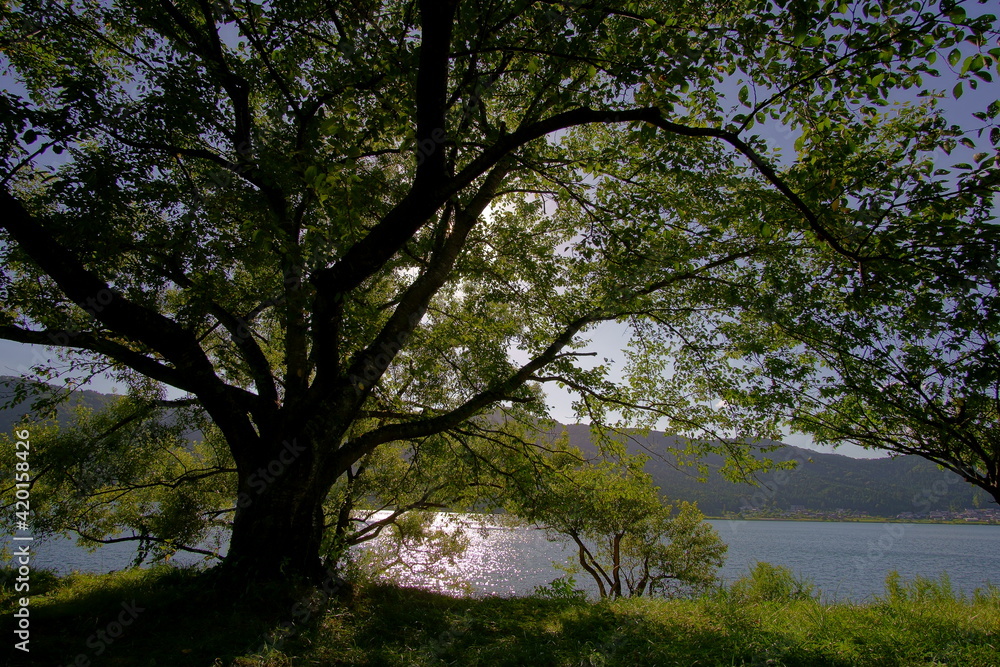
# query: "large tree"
{"type": "Point", "coordinates": [340, 225]}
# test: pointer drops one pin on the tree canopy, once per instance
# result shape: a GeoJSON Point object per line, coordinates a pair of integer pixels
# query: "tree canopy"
{"type": "Point", "coordinates": [928, 382]}
{"type": "Point", "coordinates": [345, 225]}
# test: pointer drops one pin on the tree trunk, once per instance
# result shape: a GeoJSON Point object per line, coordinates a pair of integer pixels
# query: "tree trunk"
{"type": "Point", "coordinates": [278, 527]}
{"type": "Point", "coordinates": [616, 566]}
{"type": "Point", "coordinates": [595, 570]}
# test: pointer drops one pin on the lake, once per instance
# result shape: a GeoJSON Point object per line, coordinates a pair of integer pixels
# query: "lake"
{"type": "Point", "coordinates": [846, 561]}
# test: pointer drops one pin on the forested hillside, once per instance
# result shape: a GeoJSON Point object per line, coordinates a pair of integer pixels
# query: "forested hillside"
{"type": "Point", "coordinates": [14, 411]}
{"type": "Point", "coordinates": [827, 482]}
{"type": "Point", "coordinates": [824, 482]}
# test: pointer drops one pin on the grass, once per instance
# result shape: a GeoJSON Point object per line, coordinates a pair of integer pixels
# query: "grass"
{"type": "Point", "coordinates": [769, 618]}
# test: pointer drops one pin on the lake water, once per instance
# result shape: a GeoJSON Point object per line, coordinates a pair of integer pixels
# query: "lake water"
{"type": "Point", "coordinates": [846, 561]}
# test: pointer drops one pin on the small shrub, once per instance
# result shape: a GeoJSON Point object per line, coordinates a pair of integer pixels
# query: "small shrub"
{"type": "Point", "coordinates": [563, 588]}
{"type": "Point", "coordinates": [770, 583]}
{"type": "Point", "coordinates": [40, 581]}
{"type": "Point", "coordinates": [919, 589]}
{"type": "Point", "coordinates": [990, 594]}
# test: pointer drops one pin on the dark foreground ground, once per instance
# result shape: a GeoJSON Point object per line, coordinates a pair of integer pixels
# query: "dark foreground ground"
{"type": "Point", "coordinates": [172, 618]}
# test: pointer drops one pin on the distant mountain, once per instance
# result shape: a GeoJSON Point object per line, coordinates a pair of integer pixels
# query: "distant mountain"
{"type": "Point", "coordinates": [94, 400]}
{"type": "Point", "coordinates": [821, 482]}
{"type": "Point", "coordinates": [13, 415]}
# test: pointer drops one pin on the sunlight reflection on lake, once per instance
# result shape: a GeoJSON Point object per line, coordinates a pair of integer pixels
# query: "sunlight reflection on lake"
{"type": "Point", "coordinates": [500, 560]}
{"type": "Point", "coordinates": [847, 561]}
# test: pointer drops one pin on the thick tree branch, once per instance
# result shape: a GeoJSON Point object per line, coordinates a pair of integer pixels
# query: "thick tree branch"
{"type": "Point", "coordinates": [116, 351]}
{"type": "Point", "coordinates": [424, 196]}
{"type": "Point", "coordinates": [147, 538]}
{"type": "Point", "coordinates": [653, 116]}
{"type": "Point", "coordinates": [93, 294]}
{"type": "Point", "coordinates": [192, 370]}
{"type": "Point", "coordinates": [209, 47]}
{"type": "Point", "coordinates": [387, 344]}
{"type": "Point", "coordinates": [387, 237]}
{"type": "Point", "coordinates": [358, 447]}
{"type": "Point", "coordinates": [242, 336]}
{"type": "Point", "coordinates": [436, 21]}
{"type": "Point", "coordinates": [174, 343]}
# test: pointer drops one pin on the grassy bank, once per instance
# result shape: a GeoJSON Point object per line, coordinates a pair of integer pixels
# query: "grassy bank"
{"type": "Point", "coordinates": [173, 619]}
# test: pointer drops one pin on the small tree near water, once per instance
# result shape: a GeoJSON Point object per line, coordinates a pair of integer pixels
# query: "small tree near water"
{"type": "Point", "coordinates": [626, 538]}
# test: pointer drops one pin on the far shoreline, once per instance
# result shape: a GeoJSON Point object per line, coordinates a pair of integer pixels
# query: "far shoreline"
{"type": "Point", "coordinates": [871, 519]}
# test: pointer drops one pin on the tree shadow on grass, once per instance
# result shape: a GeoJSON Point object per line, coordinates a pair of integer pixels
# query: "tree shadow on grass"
{"type": "Point", "coordinates": [171, 617]}
{"type": "Point", "coordinates": [410, 627]}
{"type": "Point", "coordinates": [404, 627]}
{"type": "Point", "coordinates": [162, 616]}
